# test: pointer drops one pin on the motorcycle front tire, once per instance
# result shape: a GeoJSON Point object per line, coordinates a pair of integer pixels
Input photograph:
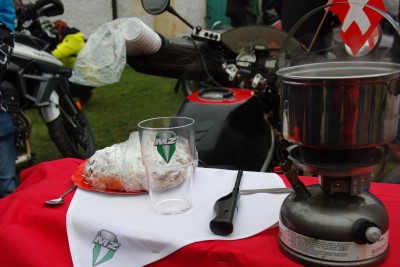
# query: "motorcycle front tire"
{"type": "Point", "coordinates": [72, 134]}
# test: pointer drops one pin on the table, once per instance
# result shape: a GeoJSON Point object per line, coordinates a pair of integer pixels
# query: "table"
{"type": "Point", "coordinates": [32, 234]}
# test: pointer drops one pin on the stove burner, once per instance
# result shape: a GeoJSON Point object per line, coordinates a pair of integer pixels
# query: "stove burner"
{"type": "Point", "coordinates": [336, 162]}
{"type": "Point", "coordinates": [339, 171]}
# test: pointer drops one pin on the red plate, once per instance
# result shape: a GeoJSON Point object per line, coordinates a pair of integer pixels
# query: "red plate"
{"type": "Point", "coordinates": [79, 180]}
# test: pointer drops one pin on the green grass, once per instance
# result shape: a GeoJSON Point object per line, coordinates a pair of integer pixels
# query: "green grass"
{"type": "Point", "coordinates": [114, 111]}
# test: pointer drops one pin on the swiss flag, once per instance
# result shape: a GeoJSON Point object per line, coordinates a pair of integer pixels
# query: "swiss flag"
{"type": "Point", "coordinates": [358, 21]}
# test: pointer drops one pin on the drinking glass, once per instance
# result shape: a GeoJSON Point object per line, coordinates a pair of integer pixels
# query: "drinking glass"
{"type": "Point", "coordinates": [170, 158]}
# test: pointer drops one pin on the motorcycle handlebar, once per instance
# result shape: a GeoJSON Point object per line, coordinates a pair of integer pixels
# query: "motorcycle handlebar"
{"type": "Point", "coordinates": [47, 8]}
{"type": "Point", "coordinates": [180, 58]}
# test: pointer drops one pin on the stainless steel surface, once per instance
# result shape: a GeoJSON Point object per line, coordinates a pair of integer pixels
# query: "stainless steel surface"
{"type": "Point", "coordinates": [335, 219]}
{"type": "Point", "coordinates": [282, 190]}
{"type": "Point", "coordinates": [60, 200]}
{"type": "Point", "coordinates": [338, 105]}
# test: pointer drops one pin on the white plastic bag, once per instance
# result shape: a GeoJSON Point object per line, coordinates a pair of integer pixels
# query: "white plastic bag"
{"type": "Point", "coordinates": [103, 58]}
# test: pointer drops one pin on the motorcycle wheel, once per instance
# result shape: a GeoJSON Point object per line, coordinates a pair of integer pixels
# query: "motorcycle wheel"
{"type": "Point", "coordinates": [71, 133]}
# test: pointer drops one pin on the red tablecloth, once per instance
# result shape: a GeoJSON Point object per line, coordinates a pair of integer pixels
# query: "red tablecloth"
{"type": "Point", "coordinates": [32, 234]}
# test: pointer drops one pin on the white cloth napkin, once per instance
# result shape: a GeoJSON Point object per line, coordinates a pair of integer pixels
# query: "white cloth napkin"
{"type": "Point", "coordinates": [122, 230]}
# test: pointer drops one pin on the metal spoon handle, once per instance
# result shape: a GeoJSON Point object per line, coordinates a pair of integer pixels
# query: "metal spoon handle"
{"type": "Point", "coordinates": [68, 190]}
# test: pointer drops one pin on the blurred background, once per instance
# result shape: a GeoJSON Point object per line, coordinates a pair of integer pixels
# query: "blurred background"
{"type": "Point", "coordinates": [90, 14]}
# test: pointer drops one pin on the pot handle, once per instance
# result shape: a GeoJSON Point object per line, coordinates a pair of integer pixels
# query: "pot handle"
{"type": "Point", "coordinates": [292, 31]}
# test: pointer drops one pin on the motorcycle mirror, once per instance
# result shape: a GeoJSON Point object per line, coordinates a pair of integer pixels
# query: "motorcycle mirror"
{"type": "Point", "coordinates": [49, 8]}
{"type": "Point", "coordinates": [371, 44]}
{"type": "Point", "coordinates": [155, 7]}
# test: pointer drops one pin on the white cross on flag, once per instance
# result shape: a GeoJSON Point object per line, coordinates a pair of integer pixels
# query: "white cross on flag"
{"type": "Point", "coordinates": [358, 21]}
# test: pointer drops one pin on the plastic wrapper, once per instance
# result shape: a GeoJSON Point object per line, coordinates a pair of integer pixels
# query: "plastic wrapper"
{"type": "Point", "coordinates": [120, 168]}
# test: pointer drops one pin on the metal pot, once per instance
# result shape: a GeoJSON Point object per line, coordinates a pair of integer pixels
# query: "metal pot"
{"type": "Point", "coordinates": [336, 105]}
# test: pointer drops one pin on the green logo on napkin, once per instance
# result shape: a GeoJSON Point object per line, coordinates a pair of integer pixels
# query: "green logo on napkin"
{"type": "Point", "coordinates": [106, 244]}
{"type": "Point", "coordinates": [165, 143]}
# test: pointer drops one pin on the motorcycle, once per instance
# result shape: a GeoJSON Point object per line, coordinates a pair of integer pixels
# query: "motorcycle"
{"type": "Point", "coordinates": [37, 80]}
{"type": "Point", "coordinates": [235, 102]}
{"type": "Point", "coordinates": [34, 29]}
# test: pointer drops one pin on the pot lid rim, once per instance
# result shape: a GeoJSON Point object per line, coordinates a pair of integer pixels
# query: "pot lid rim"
{"type": "Point", "coordinates": [377, 69]}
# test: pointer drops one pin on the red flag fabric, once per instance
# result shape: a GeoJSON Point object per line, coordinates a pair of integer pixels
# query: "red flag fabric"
{"type": "Point", "coordinates": [358, 20]}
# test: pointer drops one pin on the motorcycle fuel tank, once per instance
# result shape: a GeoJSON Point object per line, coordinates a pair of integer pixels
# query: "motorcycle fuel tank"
{"type": "Point", "coordinates": [25, 51]}
{"type": "Point", "coordinates": [230, 128]}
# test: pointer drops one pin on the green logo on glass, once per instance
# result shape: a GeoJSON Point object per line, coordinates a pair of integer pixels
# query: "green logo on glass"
{"type": "Point", "coordinates": [165, 143]}
{"type": "Point", "coordinates": [105, 246]}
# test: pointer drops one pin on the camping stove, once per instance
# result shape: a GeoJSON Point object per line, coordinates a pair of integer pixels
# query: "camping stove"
{"type": "Point", "coordinates": [340, 223]}
{"type": "Point", "coordinates": [338, 116]}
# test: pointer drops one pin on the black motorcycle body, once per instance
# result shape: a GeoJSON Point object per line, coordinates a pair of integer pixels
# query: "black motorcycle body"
{"type": "Point", "coordinates": [35, 79]}
{"type": "Point", "coordinates": [230, 128]}
{"type": "Point", "coordinates": [236, 103]}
